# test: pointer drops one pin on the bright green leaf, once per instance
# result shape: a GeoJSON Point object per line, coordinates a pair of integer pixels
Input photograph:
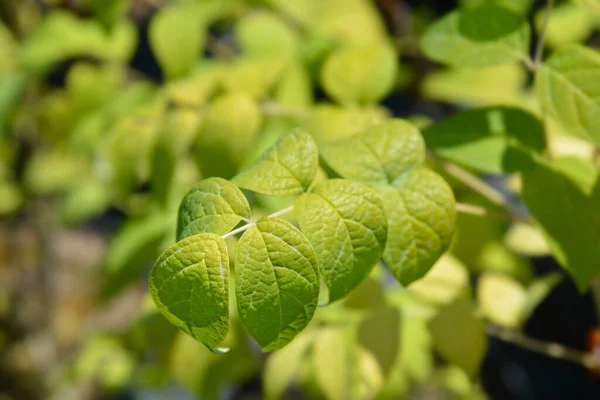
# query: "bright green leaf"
{"type": "Point", "coordinates": [332, 362]}
{"type": "Point", "coordinates": [569, 219]}
{"type": "Point", "coordinates": [286, 169]}
{"type": "Point", "coordinates": [283, 367]}
{"type": "Point", "coordinates": [276, 282]}
{"type": "Point", "coordinates": [190, 286]}
{"type": "Point", "coordinates": [379, 155]}
{"type": "Point", "coordinates": [460, 337]}
{"type": "Point", "coordinates": [346, 224]}
{"type": "Point", "coordinates": [489, 139]}
{"type": "Point", "coordinates": [253, 77]}
{"type": "Point", "coordinates": [421, 221]}
{"type": "Point", "coordinates": [263, 34]}
{"type": "Point", "coordinates": [379, 334]}
{"type": "Point", "coordinates": [568, 24]}
{"type": "Point", "coordinates": [360, 75]}
{"type": "Point", "coordinates": [444, 283]}
{"type": "Point", "coordinates": [176, 37]}
{"type": "Point", "coordinates": [593, 5]}
{"type": "Point", "coordinates": [213, 205]}
{"type": "Point", "coordinates": [567, 87]}
{"type": "Point", "coordinates": [478, 37]}
{"type": "Point", "coordinates": [218, 153]}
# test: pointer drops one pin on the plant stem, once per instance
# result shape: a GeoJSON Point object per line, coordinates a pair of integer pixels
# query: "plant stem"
{"type": "Point", "coordinates": [550, 349]}
{"type": "Point", "coordinates": [542, 38]}
{"type": "Point", "coordinates": [252, 223]}
{"type": "Point", "coordinates": [483, 212]}
{"type": "Point", "coordinates": [475, 183]}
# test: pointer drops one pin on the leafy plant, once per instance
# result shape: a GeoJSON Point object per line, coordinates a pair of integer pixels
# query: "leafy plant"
{"type": "Point", "coordinates": [355, 192]}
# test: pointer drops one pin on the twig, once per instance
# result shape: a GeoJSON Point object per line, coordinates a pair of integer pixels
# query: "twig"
{"type": "Point", "coordinates": [483, 212]}
{"type": "Point", "coordinates": [252, 223]}
{"type": "Point", "coordinates": [550, 349]}
{"type": "Point", "coordinates": [475, 183]}
{"type": "Point", "coordinates": [542, 38]}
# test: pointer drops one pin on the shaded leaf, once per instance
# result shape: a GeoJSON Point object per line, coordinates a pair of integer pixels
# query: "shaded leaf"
{"type": "Point", "coordinates": [190, 286]}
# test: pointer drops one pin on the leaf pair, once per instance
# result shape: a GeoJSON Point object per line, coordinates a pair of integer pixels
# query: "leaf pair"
{"type": "Point", "coordinates": [418, 203]}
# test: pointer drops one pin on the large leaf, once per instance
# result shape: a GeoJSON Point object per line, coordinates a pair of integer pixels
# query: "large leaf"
{"type": "Point", "coordinates": [276, 282]}
{"type": "Point", "coordinates": [490, 139]}
{"type": "Point", "coordinates": [190, 286]}
{"type": "Point", "coordinates": [460, 337]}
{"type": "Point", "coordinates": [569, 219]}
{"type": "Point", "coordinates": [419, 204]}
{"type": "Point", "coordinates": [285, 169]}
{"type": "Point", "coordinates": [567, 85]}
{"type": "Point", "coordinates": [478, 37]}
{"type": "Point", "coordinates": [177, 36]}
{"type": "Point", "coordinates": [213, 205]}
{"type": "Point", "coordinates": [346, 224]}
{"type": "Point", "coordinates": [360, 75]}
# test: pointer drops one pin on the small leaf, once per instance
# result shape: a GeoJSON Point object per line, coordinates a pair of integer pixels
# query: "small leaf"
{"type": "Point", "coordinates": [176, 37]}
{"type": "Point", "coordinates": [286, 169]}
{"type": "Point", "coordinates": [444, 283]}
{"type": "Point", "coordinates": [218, 154]}
{"type": "Point", "coordinates": [213, 205]}
{"type": "Point", "coordinates": [563, 84]}
{"type": "Point", "coordinates": [360, 75]}
{"type": "Point", "coordinates": [283, 367]}
{"type": "Point", "coordinates": [276, 282]}
{"type": "Point", "coordinates": [569, 219]}
{"type": "Point", "coordinates": [502, 299]}
{"type": "Point", "coordinates": [190, 286]}
{"type": "Point", "coordinates": [477, 37]}
{"type": "Point", "coordinates": [460, 337]}
{"type": "Point", "coordinates": [254, 77]}
{"type": "Point", "coordinates": [263, 34]}
{"type": "Point", "coordinates": [379, 334]}
{"type": "Point", "coordinates": [332, 364]}
{"type": "Point", "coordinates": [485, 138]}
{"type": "Point", "coordinates": [421, 221]}
{"type": "Point", "coordinates": [378, 155]}
{"type": "Point", "coordinates": [346, 224]}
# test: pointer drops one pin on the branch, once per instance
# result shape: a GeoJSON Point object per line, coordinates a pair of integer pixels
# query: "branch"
{"type": "Point", "coordinates": [483, 212]}
{"type": "Point", "coordinates": [550, 349]}
{"type": "Point", "coordinates": [475, 183]}
{"type": "Point", "coordinates": [542, 38]}
{"type": "Point", "coordinates": [252, 223]}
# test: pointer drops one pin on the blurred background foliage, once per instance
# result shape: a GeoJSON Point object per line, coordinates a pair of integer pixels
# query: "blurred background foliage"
{"type": "Point", "coordinates": [111, 109]}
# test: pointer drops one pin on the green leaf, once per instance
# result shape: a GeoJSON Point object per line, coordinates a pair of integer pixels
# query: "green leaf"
{"type": "Point", "coordinates": [419, 204]}
{"type": "Point", "coordinates": [477, 37]}
{"type": "Point", "coordinates": [283, 367]}
{"type": "Point", "coordinates": [565, 86]}
{"type": "Point", "coordinates": [254, 77]}
{"type": "Point", "coordinates": [379, 155]}
{"type": "Point", "coordinates": [421, 221]}
{"type": "Point", "coordinates": [286, 169]}
{"type": "Point", "coordinates": [62, 35]}
{"type": "Point", "coordinates": [568, 24]}
{"type": "Point", "coordinates": [592, 5]}
{"type": "Point", "coordinates": [447, 281]}
{"type": "Point", "coordinates": [218, 154]}
{"type": "Point", "coordinates": [213, 205]}
{"type": "Point", "coordinates": [263, 34]}
{"type": "Point", "coordinates": [190, 286]}
{"type": "Point", "coordinates": [176, 37]}
{"type": "Point", "coordinates": [569, 219]}
{"type": "Point", "coordinates": [134, 246]}
{"type": "Point", "coordinates": [276, 282]}
{"type": "Point", "coordinates": [332, 362]}
{"type": "Point", "coordinates": [489, 139]}
{"type": "Point", "coordinates": [379, 334]}
{"type": "Point", "coordinates": [85, 200]}
{"type": "Point", "coordinates": [581, 171]}
{"type": "Point", "coordinates": [360, 74]}
{"type": "Point", "coordinates": [460, 337]}
{"type": "Point", "coordinates": [346, 224]}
